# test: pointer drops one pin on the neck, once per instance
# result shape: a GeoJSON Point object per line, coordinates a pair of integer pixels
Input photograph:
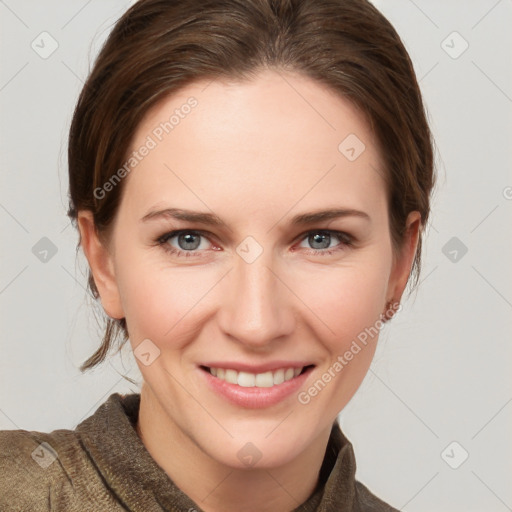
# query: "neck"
{"type": "Point", "coordinates": [216, 487]}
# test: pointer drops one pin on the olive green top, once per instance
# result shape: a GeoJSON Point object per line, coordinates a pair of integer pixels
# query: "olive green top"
{"type": "Point", "coordinates": [102, 465]}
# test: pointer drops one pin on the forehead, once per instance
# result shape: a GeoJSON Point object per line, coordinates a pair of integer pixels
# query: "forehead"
{"type": "Point", "coordinates": [269, 142]}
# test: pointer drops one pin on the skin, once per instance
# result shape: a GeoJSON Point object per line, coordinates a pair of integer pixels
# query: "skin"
{"type": "Point", "coordinates": [255, 154]}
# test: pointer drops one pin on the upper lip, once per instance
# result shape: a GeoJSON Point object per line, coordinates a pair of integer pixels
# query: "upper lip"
{"type": "Point", "coordinates": [256, 368]}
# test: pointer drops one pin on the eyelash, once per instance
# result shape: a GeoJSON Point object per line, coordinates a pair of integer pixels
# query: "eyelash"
{"type": "Point", "coordinates": [346, 240]}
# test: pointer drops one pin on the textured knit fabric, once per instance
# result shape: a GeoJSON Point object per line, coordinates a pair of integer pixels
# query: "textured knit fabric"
{"type": "Point", "coordinates": [102, 465]}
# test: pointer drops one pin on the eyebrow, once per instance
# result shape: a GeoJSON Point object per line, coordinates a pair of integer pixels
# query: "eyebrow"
{"type": "Point", "coordinates": [214, 220]}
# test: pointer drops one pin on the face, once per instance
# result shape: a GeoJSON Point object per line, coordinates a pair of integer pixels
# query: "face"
{"type": "Point", "coordinates": [249, 315]}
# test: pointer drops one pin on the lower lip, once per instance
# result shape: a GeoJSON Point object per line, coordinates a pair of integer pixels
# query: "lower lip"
{"type": "Point", "coordinates": [255, 398]}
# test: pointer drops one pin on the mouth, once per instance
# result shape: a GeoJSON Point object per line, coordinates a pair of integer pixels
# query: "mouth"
{"type": "Point", "coordinates": [255, 387]}
{"type": "Point", "coordinates": [266, 379]}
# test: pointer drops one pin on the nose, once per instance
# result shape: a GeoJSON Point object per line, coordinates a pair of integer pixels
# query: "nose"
{"type": "Point", "coordinates": [256, 307]}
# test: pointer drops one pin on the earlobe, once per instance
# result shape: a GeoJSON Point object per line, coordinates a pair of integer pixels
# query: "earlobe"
{"type": "Point", "coordinates": [101, 265]}
{"type": "Point", "coordinates": [403, 261]}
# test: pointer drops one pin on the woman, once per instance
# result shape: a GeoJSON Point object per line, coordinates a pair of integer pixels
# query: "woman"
{"type": "Point", "coordinates": [250, 180]}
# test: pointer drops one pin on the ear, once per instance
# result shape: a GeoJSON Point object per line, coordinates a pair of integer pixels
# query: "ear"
{"type": "Point", "coordinates": [101, 264]}
{"type": "Point", "coordinates": [402, 262]}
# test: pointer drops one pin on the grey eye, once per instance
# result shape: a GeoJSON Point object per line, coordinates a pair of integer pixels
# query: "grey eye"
{"type": "Point", "coordinates": [189, 241]}
{"type": "Point", "coordinates": [319, 240]}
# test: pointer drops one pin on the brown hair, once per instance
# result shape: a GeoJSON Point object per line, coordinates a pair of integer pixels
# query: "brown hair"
{"type": "Point", "coordinates": [159, 46]}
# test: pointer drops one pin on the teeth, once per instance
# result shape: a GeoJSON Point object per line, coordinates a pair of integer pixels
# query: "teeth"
{"type": "Point", "coordinates": [279, 377]}
{"type": "Point", "coordinates": [230, 376]}
{"type": "Point", "coordinates": [258, 380]}
{"type": "Point", "coordinates": [264, 380]}
{"type": "Point", "coordinates": [246, 380]}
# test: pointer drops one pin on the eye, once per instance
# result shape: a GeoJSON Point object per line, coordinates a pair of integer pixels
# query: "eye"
{"type": "Point", "coordinates": [320, 241]}
{"type": "Point", "coordinates": [187, 242]}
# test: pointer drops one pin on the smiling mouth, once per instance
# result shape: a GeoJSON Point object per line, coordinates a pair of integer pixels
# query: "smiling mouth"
{"type": "Point", "coordinates": [267, 379]}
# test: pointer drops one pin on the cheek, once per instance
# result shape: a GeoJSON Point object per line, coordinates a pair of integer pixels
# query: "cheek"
{"type": "Point", "coordinates": [346, 300]}
{"type": "Point", "coordinates": [349, 302]}
{"type": "Point", "coordinates": [158, 301]}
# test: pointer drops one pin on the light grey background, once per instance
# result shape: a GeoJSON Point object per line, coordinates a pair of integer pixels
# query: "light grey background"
{"type": "Point", "coordinates": [442, 370]}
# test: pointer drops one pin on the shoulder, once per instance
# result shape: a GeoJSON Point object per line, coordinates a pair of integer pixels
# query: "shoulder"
{"type": "Point", "coordinates": [369, 502]}
{"type": "Point", "coordinates": [41, 471]}
{"type": "Point", "coordinates": [67, 470]}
